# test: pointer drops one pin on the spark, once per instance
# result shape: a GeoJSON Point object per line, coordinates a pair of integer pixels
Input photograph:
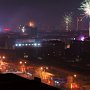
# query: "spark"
{"type": "Point", "coordinates": [68, 20]}
{"type": "Point", "coordinates": [23, 29]}
{"type": "Point", "coordinates": [85, 6]}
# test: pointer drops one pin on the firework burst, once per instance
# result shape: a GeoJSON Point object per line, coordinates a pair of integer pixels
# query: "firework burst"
{"type": "Point", "coordinates": [67, 20]}
{"type": "Point", "coordinates": [85, 6]}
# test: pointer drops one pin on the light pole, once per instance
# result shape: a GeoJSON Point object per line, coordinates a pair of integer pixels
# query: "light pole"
{"type": "Point", "coordinates": [23, 67]}
{"type": "Point", "coordinates": [43, 70]}
{"type": "Point", "coordinates": [77, 23]}
{"type": "Point", "coordinates": [79, 19]}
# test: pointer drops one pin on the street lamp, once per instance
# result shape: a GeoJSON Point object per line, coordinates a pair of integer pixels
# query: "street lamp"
{"type": "Point", "coordinates": [41, 68]}
{"type": "Point", "coordinates": [25, 62]}
{"type": "Point", "coordinates": [23, 68]}
{"type": "Point", "coordinates": [20, 62]}
{"type": "Point", "coordinates": [79, 19]}
{"type": "Point", "coordinates": [43, 71]}
{"type": "Point", "coordinates": [2, 57]}
{"type": "Point", "coordinates": [75, 75]}
{"type": "Point", "coordinates": [85, 6]}
{"type": "Point", "coordinates": [44, 68]}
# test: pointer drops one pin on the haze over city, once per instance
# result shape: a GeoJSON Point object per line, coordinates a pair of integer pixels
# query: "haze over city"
{"type": "Point", "coordinates": [45, 44]}
{"type": "Point", "coordinates": [47, 14]}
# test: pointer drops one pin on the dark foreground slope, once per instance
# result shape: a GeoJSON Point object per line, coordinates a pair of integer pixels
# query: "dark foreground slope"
{"type": "Point", "coordinates": [12, 81]}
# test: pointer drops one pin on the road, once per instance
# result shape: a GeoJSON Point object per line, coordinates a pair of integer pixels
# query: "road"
{"type": "Point", "coordinates": [47, 74]}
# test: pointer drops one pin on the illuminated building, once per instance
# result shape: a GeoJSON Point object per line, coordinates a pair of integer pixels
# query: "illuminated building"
{"type": "Point", "coordinates": [26, 43]}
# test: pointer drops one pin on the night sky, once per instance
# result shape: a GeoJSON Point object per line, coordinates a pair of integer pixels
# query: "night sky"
{"type": "Point", "coordinates": [46, 13]}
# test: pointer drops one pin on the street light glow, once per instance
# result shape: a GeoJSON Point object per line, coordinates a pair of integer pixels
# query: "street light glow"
{"type": "Point", "coordinates": [20, 62]}
{"type": "Point", "coordinates": [25, 62]}
{"type": "Point", "coordinates": [19, 44]}
{"type": "Point", "coordinates": [75, 75]}
{"type": "Point", "coordinates": [82, 38]}
{"type": "Point", "coordinates": [41, 68]}
{"type": "Point", "coordinates": [35, 44]}
{"type": "Point", "coordinates": [3, 57]}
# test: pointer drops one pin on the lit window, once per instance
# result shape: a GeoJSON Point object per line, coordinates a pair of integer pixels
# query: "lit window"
{"type": "Point", "coordinates": [26, 44]}
{"type": "Point", "coordinates": [35, 44]}
{"type": "Point", "coordinates": [16, 45]}
{"type": "Point", "coordinates": [39, 44]}
{"type": "Point", "coordinates": [20, 44]}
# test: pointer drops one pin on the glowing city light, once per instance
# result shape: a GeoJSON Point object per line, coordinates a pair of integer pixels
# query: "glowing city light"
{"type": "Point", "coordinates": [31, 24]}
{"type": "Point", "coordinates": [39, 44]}
{"type": "Point", "coordinates": [28, 44]}
{"type": "Point", "coordinates": [47, 68]}
{"type": "Point", "coordinates": [25, 62]}
{"type": "Point", "coordinates": [16, 44]}
{"type": "Point", "coordinates": [20, 62]}
{"type": "Point", "coordinates": [82, 38]}
{"type": "Point", "coordinates": [41, 68]}
{"type": "Point", "coordinates": [3, 57]}
{"type": "Point", "coordinates": [20, 45]}
{"type": "Point", "coordinates": [35, 44]}
{"type": "Point", "coordinates": [75, 75]}
{"type": "Point", "coordinates": [6, 29]}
